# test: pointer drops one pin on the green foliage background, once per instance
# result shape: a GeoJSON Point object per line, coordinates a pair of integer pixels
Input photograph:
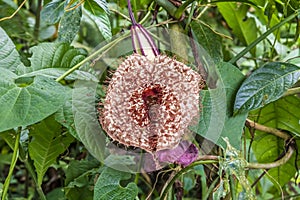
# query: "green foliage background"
{"type": "Point", "coordinates": [46, 47]}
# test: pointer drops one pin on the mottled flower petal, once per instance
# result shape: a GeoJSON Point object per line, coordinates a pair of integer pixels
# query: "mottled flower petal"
{"type": "Point", "coordinates": [150, 103]}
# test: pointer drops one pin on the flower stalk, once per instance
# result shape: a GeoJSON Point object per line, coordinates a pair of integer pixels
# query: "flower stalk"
{"type": "Point", "coordinates": [142, 42]}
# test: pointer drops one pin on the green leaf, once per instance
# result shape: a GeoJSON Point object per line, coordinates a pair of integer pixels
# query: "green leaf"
{"type": "Point", "coordinates": [79, 193]}
{"type": "Point", "coordinates": [20, 26]}
{"type": "Point", "coordinates": [212, 124]}
{"type": "Point", "coordinates": [52, 12]}
{"type": "Point", "coordinates": [26, 103]}
{"type": "Point", "coordinates": [9, 57]}
{"type": "Point", "coordinates": [108, 186]}
{"type": "Point", "coordinates": [266, 85]}
{"type": "Point", "coordinates": [47, 144]}
{"type": "Point", "coordinates": [69, 25]}
{"type": "Point", "coordinates": [80, 176]}
{"type": "Point", "coordinates": [86, 118]}
{"type": "Point", "coordinates": [103, 5]}
{"type": "Point", "coordinates": [56, 194]}
{"type": "Point", "coordinates": [282, 114]}
{"type": "Point", "coordinates": [80, 168]}
{"type": "Point", "coordinates": [65, 116]}
{"type": "Point", "coordinates": [236, 16]}
{"type": "Point", "coordinates": [209, 40]}
{"type": "Point", "coordinates": [54, 55]}
{"type": "Point", "coordinates": [100, 18]}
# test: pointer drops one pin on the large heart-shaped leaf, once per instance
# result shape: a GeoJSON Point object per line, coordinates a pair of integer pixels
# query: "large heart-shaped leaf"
{"type": "Point", "coordinates": [108, 186]}
{"type": "Point", "coordinates": [9, 57]}
{"type": "Point", "coordinates": [29, 100]}
{"type": "Point", "coordinates": [266, 85]}
{"type": "Point", "coordinates": [46, 145]}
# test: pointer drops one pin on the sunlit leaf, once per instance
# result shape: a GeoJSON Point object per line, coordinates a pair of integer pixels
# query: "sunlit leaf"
{"type": "Point", "coordinates": [85, 118]}
{"type": "Point", "coordinates": [103, 5]}
{"type": "Point", "coordinates": [65, 116]}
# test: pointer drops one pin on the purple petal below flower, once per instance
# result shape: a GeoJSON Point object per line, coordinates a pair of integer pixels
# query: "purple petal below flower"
{"type": "Point", "coordinates": [184, 154]}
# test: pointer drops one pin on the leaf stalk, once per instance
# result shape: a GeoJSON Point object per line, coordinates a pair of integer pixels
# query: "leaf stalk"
{"type": "Point", "coordinates": [12, 165]}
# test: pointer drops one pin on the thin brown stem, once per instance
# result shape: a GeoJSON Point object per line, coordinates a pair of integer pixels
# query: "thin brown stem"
{"type": "Point", "coordinates": [12, 15]}
{"type": "Point", "coordinates": [267, 129]}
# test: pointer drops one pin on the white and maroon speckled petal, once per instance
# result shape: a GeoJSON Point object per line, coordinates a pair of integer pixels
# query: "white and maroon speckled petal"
{"type": "Point", "coordinates": [150, 103]}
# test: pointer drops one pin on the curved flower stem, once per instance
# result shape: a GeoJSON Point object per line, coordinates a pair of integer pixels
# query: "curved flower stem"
{"type": "Point", "coordinates": [12, 166]}
{"type": "Point", "coordinates": [277, 163]}
{"type": "Point", "coordinates": [182, 171]}
{"type": "Point", "coordinates": [267, 129]}
{"type": "Point", "coordinates": [262, 37]}
{"type": "Point", "coordinates": [131, 13]}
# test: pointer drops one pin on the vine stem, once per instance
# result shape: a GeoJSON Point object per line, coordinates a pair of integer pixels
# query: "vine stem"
{"type": "Point", "coordinates": [177, 175]}
{"type": "Point", "coordinates": [277, 163]}
{"type": "Point", "coordinates": [12, 165]}
{"type": "Point", "coordinates": [262, 37]}
{"type": "Point", "coordinates": [267, 129]}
